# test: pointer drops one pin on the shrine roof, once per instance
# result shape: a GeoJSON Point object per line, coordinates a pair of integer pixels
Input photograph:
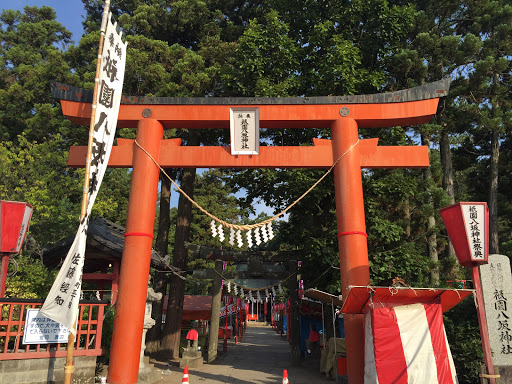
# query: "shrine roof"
{"type": "Point", "coordinates": [105, 241]}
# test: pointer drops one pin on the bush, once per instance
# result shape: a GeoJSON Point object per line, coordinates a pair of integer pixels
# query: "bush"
{"type": "Point", "coordinates": [462, 330]}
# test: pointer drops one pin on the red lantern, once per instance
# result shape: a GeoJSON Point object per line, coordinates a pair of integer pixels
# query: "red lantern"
{"type": "Point", "coordinates": [467, 225]}
{"type": "Point", "coordinates": [14, 220]}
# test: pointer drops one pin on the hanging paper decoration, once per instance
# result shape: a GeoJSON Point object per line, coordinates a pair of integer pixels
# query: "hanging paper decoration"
{"type": "Point", "coordinates": [280, 288]}
{"type": "Point", "coordinates": [213, 228]}
{"type": "Point", "coordinates": [257, 236]}
{"type": "Point", "coordinates": [259, 296]}
{"type": "Point", "coordinates": [242, 293]}
{"type": "Point", "coordinates": [221, 232]}
{"type": "Point", "coordinates": [250, 296]}
{"type": "Point", "coordinates": [236, 290]}
{"type": "Point", "coordinates": [249, 238]}
{"type": "Point", "coordinates": [274, 291]}
{"type": "Point", "coordinates": [266, 293]}
{"type": "Point", "coordinates": [239, 238]}
{"type": "Point", "coordinates": [264, 233]}
{"type": "Point", "coordinates": [270, 231]}
{"type": "Point", "coordinates": [229, 286]}
{"type": "Point", "coordinates": [231, 236]}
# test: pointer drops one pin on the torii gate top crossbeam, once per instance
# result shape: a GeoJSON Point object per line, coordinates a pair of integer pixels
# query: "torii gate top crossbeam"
{"type": "Point", "coordinates": [411, 106]}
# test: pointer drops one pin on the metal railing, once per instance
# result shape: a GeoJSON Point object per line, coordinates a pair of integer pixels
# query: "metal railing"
{"type": "Point", "coordinates": [12, 325]}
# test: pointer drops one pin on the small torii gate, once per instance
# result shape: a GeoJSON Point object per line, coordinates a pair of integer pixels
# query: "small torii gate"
{"type": "Point", "coordinates": [344, 115]}
{"type": "Point", "coordinates": [256, 270]}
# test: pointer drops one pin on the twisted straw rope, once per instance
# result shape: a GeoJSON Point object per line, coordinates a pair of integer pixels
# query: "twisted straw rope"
{"type": "Point", "coordinates": [246, 226]}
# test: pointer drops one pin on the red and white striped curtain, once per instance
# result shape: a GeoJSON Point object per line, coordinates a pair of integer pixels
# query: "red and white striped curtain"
{"type": "Point", "coordinates": [407, 344]}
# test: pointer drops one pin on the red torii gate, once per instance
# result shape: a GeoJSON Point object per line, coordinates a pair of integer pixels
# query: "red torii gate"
{"type": "Point", "coordinates": [343, 115]}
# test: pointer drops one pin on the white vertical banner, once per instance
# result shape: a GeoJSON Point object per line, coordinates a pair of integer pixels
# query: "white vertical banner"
{"type": "Point", "coordinates": [110, 89]}
{"type": "Point", "coordinates": [61, 304]}
{"type": "Point", "coordinates": [474, 222]}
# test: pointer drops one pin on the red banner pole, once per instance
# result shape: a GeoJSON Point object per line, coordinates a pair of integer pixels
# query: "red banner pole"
{"type": "Point", "coordinates": [226, 328]}
{"type": "Point", "coordinates": [482, 322]}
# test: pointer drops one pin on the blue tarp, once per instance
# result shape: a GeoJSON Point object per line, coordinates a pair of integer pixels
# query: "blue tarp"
{"type": "Point", "coordinates": [305, 327]}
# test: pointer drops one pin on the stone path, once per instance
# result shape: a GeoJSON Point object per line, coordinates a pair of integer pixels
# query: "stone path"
{"type": "Point", "coordinates": [259, 359]}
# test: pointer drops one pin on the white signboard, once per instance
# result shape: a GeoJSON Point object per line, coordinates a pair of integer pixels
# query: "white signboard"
{"type": "Point", "coordinates": [41, 330]}
{"type": "Point", "coordinates": [245, 131]}
{"type": "Point", "coordinates": [474, 220]}
{"type": "Point", "coordinates": [497, 291]}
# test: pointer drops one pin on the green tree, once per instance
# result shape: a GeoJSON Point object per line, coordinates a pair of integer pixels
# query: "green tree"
{"type": "Point", "coordinates": [30, 279]}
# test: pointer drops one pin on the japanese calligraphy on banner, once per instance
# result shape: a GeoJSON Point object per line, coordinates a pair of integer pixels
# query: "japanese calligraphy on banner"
{"type": "Point", "coordinates": [497, 291]}
{"type": "Point", "coordinates": [245, 131]}
{"type": "Point", "coordinates": [61, 304]}
{"type": "Point", "coordinates": [474, 220]}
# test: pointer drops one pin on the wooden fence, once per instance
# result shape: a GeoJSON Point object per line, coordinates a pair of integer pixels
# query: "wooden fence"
{"type": "Point", "coordinates": [12, 325]}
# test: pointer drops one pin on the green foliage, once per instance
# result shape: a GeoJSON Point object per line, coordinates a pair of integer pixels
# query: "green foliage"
{"type": "Point", "coordinates": [461, 324]}
{"type": "Point", "coordinates": [34, 173]}
{"type": "Point", "coordinates": [106, 336]}
{"type": "Point", "coordinates": [32, 280]}
{"type": "Point", "coordinates": [267, 60]}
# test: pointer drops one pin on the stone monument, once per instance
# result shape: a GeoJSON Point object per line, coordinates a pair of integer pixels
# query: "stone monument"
{"type": "Point", "coordinates": [497, 291]}
{"type": "Point", "coordinates": [145, 371]}
{"type": "Point", "coordinates": [192, 355]}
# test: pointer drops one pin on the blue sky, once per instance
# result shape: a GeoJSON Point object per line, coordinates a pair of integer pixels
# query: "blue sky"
{"type": "Point", "coordinates": [70, 13]}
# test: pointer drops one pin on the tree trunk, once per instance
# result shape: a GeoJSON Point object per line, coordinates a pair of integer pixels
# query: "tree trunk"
{"type": "Point", "coordinates": [172, 328]}
{"type": "Point", "coordinates": [431, 222]}
{"type": "Point", "coordinates": [493, 194]}
{"type": "Point", "coordinates": [213, 339]}
{"type": "Point", "coordinates": [161, 247]}
{"type": "Point", "coordinates": [452, 265]}
{"type": "Point", "coordinates": [293, 286]}
{"type": "Point", "coordinates": [407, 216]}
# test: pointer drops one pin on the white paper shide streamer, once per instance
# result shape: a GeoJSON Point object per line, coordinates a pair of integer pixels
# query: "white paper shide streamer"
{"type": "Point", "coordinates": [61, 304]}
{"type": "Point", "coordinates": [261, 234]}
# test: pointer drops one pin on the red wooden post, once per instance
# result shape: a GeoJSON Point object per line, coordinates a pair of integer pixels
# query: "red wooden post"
{"type": "Point", "coordinates": [133, 280]}
{"type": "Point", "coordinates": [353, 249]}
{"type": "Point", "coordinates": [226, 328]}
{"type": "Point", "coordinates": [236, 323]}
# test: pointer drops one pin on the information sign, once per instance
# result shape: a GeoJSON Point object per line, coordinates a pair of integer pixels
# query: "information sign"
{"type": "Point", "coordinates": [39, 329]}
{"type": "Point", "coordinates": [245, 131]}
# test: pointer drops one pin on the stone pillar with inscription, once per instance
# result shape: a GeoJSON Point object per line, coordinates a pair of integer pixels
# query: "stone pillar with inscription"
{"type": "Point", "coordinates": [497, 291]}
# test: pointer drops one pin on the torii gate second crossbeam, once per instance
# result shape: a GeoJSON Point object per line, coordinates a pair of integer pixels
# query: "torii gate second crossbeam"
{"type": "Point", "coordinates": [343, 115]}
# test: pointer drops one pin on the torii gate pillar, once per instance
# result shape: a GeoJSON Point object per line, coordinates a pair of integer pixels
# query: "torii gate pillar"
{"type": "Point", "coordinates": [352, 245]}
{"type": "Point", "coordinates": [133, 284]}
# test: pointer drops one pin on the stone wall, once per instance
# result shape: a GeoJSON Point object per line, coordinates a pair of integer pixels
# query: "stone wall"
{"type": "Point", "coordinates": [51, 371]}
